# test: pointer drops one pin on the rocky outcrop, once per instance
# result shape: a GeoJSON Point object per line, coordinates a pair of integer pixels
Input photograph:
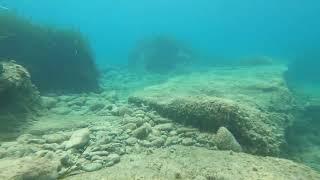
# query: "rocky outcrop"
{"type": "Point", "coordinates": [253, 129]}
{"type": "Point", "coordinates": [254, 104]}
{"type": "Point", "coordinates": [58, 59]}
{"type": "Point", "coordinates": [19, 97]}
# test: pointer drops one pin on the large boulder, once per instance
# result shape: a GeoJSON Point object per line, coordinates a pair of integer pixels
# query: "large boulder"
{"type": "Point", "coordinates": [19, 97]}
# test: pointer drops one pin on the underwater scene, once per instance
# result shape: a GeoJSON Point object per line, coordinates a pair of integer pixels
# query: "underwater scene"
{"type": "Point", "coordinates": [161, 89]}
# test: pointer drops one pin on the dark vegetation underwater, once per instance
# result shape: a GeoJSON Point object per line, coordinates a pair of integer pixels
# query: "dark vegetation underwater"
{"type": "Point", "coordinates": [58, 59]}
{"type": "Point", "coordinates": [305, 68]}
{"type": "Point", "coordinates": [160, 54]}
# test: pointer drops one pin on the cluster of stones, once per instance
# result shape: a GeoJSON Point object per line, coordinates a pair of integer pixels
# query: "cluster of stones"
{"type": "Point", "coordinates": [101, 144]}
{"type": "Point", "coordinates": [84, 104]}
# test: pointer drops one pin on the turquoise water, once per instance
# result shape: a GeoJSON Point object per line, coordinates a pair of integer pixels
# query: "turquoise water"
{"type": "Point", "coordinates": [218, 28]}
{"type": "Point", "coordinates": [109, 86]}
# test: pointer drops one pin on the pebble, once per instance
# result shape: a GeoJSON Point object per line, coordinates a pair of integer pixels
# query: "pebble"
{"type": "Point", "coordinates": [187, 142]}
{"type": "Point", "coordinates": [172, 141]}
{"type": "Point", "coordinates": [99, 153]}
{"type": "Point", "coordinates": [145, 143]}
{"type": "Point", "coordinates": [112, 159]}
{"type": "Point", "coordinates": [92, 167]}
{"type": "Point", "coordinates": [165, 127]}
{"type": "Point", "coordinates": [96, 157]}
{"type": "Point", "coordinates": [131, 141]}
{"type": "Point", "coordinates": [158, 142]}
{"type": "Point", "coordinates": [142, 132]}
{"type": "Point", "coordinates": [96, 106]}
{"type": "Point", "coordinates": [55, 138]}
{"type": "Point", "coordinates": [131, 126]}
{"type": "Point", "coordinates": [36, 141]}
{"type": "Point", "coordinates": [52, 147]}
{"type": "Point", "coordinates": [78, 139]}
{"type": "Point", "coordinates": [24, 138]}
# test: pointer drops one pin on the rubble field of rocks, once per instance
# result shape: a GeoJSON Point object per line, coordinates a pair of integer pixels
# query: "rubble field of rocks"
{"type": "Point", "coordinates": [104, 136]}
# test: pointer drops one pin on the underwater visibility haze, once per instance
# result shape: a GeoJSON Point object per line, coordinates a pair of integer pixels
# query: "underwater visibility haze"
{"type": "Point", "coordinates": [119, 89]}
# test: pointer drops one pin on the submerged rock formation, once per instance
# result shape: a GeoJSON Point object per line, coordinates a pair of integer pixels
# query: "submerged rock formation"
{"type": "Point", "coordinates": [160, 54]}
{"type": "Point", "coordinates": [254, 104]}
{"type": "Point", "coordinates": [253, 129]}
{"type": "Point", "coordinates": [58, 60]}
{"type": "Point", "coordinates": [19, 97]}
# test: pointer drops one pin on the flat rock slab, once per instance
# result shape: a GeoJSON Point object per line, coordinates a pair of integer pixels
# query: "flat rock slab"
{"type": "Point", "coordinates": [28, 168]}
{"type": "Point", "coordinates": [192, 162]}
{"type": "Point", "coordinates": [253, 103]}
{"type": "Point", "coordinates": [263, 87]}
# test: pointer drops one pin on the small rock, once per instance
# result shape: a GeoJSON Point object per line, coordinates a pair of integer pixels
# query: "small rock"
{"type": "Point", "coordinates": [24, 138]}
{"type": "Point", "coordinates": [225, 140]}
{"type": "Point", "coordinates": [138, 121]}
{"type": "Point", "coordinates": [164, 127]}
{"type": "Point", "coordinates": [49, 102]}
{"type": "Point", "coordinates": [131, 126]}
{"type": "Point", "coordinates": [92, 167]}
{"type": "Point", "coordinates": [96, 157]}
{"type": "Point", "coordinates": [158, 142]}
{"type": "Point", "coordinates": [145, 143]}
{"type": "Point", "coordinates": [131, 141]}
{"type": "Point", "coordinates": [189, 134]}
{"type": "Point", "coordinates": [78, 139]}
{"type": "Point", "coordinates": [99, 153]}
{"type": "Point", "coordinates": [142, 132]}
{"type": "Point", "coordinates": [52, 147]}
{"type": "Point", "coordinates": [200, 178]}
{"type": "Point", "coordinates": [61, 110]}
{"type": "Point", "coordinates": [96, 106]}
{"type": "Point", "coordinates": [112, 159]}
{"type": "Point", "coordinates": [66, 160]}
{"type": "Point", "coordinates": [162, 120]}
{"type": "Point", "coordinates": [55, 138]}
{"type": "Point", "coordinates": [187, 141]}
{"type": "Point", "coordinates": [124, 110]}
{"type": "Point", "coordinates": [172, 141]}
{"type": "Point", "coordinates": [185, 129]}
{"type": "Point", "coordinates": [173, 133]}
{"type": "Point", "coordinates": [36, 141]}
